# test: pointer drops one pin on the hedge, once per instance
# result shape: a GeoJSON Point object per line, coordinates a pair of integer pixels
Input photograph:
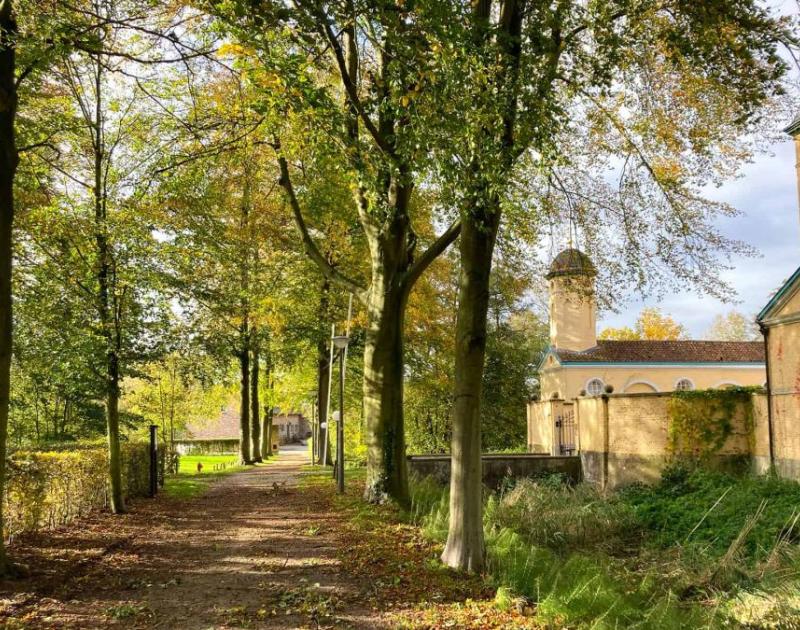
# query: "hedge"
{"type": "Point", "coordinates": [48, 489]}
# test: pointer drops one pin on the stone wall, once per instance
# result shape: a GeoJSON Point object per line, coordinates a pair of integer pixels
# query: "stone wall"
{"type": "Point", "coordinates": [498, 467]}
{"type": "Point", "coordinates": [784, 381]}
{"type": "Point", "coordinates": [624, 438]}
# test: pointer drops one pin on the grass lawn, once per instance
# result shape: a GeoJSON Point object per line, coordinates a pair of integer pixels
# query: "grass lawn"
{"type": "Point", "coordinates": [189, 483]}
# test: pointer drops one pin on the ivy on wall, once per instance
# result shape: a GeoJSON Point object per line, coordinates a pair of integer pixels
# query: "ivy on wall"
{"type": "Point", "coordinates": [701, 420]}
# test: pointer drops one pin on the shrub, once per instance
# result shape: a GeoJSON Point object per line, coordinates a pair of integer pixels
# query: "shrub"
{"type": "Point", "coordinates": [48, 489]}
{"type": "Point", "coordinates": [706, 508]}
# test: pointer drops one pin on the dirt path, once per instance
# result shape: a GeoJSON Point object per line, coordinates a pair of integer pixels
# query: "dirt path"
{"type": "Point", "coordinates": [254, 551]}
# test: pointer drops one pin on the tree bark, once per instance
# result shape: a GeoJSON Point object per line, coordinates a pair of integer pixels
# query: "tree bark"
{"type": "Point", "coordinates": [8, 166]}
{"type": "Point", "coordinates": [255, 409]}
{"type": "Point", "coordinates": [268, 429]}
{"type": "Point", "coordinates": [321, 449]}
{"type": "Point", "coordinates": [266, 445]}
{"type": "Point", "coordinates": [107, 312]}
{"type": "Point", "coordinates": [465, 546]}
{"type": "Point", "coordinates": [244, 407]}
{"type": "Point", "coordinates": [387, 474]}
{"type": "Point", "coordinates": [323, 378]}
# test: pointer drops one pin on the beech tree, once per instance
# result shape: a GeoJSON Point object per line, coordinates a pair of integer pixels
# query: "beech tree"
{"type": "Point", "coordinates": [342, 75]}
{"type": "Point", "coordinates": [552, 93]}
{"type": "Point", "coordinates": [8, 166]}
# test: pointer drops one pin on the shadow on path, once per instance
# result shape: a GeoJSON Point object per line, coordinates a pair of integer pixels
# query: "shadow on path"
{"type": "Point", "coordinates": [254, 551]}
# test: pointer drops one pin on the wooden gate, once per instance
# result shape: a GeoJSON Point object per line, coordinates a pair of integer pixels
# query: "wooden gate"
{"type": "Point", "coordinates": [565, 425]}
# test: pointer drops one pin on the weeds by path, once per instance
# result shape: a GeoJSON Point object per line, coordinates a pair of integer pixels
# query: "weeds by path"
{"type": "Point", "coordinates": [408, 585]}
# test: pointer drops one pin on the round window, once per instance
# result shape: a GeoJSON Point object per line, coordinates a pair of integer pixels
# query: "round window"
{"type": "Point", "coordinates": [594, 387]}
{"type": "Point", "coordinates": [684, 385]}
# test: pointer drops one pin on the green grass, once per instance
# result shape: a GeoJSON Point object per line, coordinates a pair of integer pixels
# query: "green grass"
{"type": "Point", "coordinates": [669, 556]}
{"type": "Point", "coordinates": [721, 504]}
{"type": "Point", "coordinates": [190, 483]}
{"type": "Point", "coordinates": [188, 463]}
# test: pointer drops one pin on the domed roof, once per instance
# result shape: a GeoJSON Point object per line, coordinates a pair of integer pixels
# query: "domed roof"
{"type": "Point", "coordinates": [571, 262]}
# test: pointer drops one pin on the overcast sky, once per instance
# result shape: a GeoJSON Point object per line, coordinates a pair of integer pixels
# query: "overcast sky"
{"type": "Point", "coordinates": [767, 197]}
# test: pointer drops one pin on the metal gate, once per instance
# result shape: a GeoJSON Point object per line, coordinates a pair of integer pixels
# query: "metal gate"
{"type": "Point", "coordinates": [565, 425]}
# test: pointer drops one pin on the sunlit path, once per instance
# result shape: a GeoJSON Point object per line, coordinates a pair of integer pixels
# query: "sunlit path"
{"type": "Point", "coordinates": [249, 551]}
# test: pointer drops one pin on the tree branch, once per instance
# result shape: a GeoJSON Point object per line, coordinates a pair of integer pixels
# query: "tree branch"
{"type": "Point", "coordinates": [352, 92]}
{"type": "Point", "coordinates": [310, 247]}
{"type": "Point", "coordinates": [432, 253]}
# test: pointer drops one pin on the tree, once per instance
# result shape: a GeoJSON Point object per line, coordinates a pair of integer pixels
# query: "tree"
{"type": "Point", "coordinates": [651, 324]}
{"type": "Point", "coordinates": [8, 166]}
{"type": "Point", "coordinates": [733, 326]}
{"type": "Point", "coordinates": [530, 74]}
{"type": "Point", "coordinates": [371, 54]}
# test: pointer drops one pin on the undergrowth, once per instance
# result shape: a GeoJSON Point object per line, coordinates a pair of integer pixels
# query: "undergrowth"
{"type": "Point", "coordinates": [700, 549]}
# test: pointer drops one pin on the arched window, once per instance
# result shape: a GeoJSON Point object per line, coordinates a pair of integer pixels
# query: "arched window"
{"type": "Point", "coordinates": [684, 385]}
{"type": "Point", "coordinates": [594, 387]}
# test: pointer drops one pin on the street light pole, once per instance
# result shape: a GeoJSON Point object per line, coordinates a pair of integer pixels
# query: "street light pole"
{"type": "Point", "coordinates": [340, 426]}
{"type": "Point", "coordinates": [340, 342]}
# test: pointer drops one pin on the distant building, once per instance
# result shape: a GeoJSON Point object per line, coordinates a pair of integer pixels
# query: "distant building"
{"type": "Point", "coordinates": [221, 434]}
{"type": "Point", "coordinates": [578, 363]}
{"type": "Point", "coordinates": [577, 366]}
{"type": "Point", "coordinates": [292, 427]}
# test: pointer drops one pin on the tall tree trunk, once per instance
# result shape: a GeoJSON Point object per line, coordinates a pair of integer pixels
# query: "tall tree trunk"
{"type": "Point", "coordinates": [321, 441]}
{"type": "Point", "coordinates": [8, 168]}
{"type": "Point", "coordinates": [465, 546]}
{"type": "Point", "coordinates": [255, 408]}
{"type": "Point", "coordinates": [244, 408]}
{"type": "Point", "coordinates": [266, 443]}
{"type": "Point", "coordinates": [387, 473]}
{"type": "Point", "coordinates": [268, 417]}
{"type": "Point", "coordinates": [106, 311]}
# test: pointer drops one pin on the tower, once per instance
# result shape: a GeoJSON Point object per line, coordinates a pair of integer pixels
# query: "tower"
{"type": "Point", "coordinates": [573, 309]}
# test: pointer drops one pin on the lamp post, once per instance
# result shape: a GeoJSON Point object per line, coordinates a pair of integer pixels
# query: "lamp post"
{"type": "Point", "coordinates": [274, 411]}
{"type": "Point", "coordinates": [340, 343]}
{"type": "Point", "coordinates": [314, 430]}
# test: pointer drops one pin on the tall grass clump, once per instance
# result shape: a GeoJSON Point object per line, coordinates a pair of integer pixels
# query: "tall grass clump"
{"type": "Point", "coordinates": [549, 543]}
{"type": "Point", "coordinates": [550, 513]}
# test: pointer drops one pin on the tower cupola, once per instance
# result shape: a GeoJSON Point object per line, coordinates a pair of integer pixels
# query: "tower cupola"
{"type": "Point", "coordinates": [573, 309]}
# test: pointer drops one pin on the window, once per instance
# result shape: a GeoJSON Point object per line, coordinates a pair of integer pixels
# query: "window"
{"type": "Point", "coordinates": [684, 385]}
{"type": "Point", "coordinates": [594, 387]}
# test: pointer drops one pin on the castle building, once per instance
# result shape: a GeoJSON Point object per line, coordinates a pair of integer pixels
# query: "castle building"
{"type": "Point", "coordinates": [577, 363]}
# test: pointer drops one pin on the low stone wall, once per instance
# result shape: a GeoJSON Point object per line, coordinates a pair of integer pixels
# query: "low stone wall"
{"type": "Point", "coordinates": [498, 467]}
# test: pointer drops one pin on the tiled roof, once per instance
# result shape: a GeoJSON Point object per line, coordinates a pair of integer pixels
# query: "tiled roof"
{"type": "Point", "coordinates": [608, 351]}
{"type": "Point", "coordinates": [226, 425]}
{"type": "Point", "coordinates": [223, 427]}
{"type": "Point", "coordinates": [794, 128]}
